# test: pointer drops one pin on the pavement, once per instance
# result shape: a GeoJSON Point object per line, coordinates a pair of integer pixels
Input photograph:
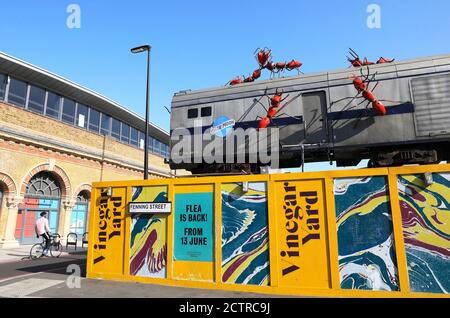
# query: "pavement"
{"type": "Point", "coordinates": [23, 252]}
{"type": "Point", "coordinates": [65, 277]}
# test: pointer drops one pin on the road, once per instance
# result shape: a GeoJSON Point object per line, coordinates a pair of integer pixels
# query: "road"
{"type": "Point", "coordinates": [49, 278]}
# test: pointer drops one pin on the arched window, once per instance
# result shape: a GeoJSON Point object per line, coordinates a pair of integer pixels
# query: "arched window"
{"type": "Point", "coordinates": [43, 193]}
{"type": "Point", "coordinates": [43, 185]}
{"type": "Point", "coordinates": [79, 219]}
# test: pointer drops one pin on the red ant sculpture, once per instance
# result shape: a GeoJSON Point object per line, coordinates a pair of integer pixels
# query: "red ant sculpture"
{"type": "Point", "coordinates": [356, 61]}
{"type": "Point", "coordinates": [263, 57]}
{"type": "Point", "coordinates": [275, 103]}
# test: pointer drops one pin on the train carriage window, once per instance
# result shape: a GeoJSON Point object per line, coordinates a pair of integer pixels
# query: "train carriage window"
{"type": "Point", "coordinates": [206, 111]}
{"type": "Point", "coordinates": [193, 113]}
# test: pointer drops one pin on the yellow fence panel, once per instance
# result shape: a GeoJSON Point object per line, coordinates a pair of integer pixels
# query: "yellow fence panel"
{"type": "Point", "coordinates": [359, 233]}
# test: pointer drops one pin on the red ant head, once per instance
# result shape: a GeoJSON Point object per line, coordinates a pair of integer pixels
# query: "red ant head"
{"type": "Point", "coordinates": [358, 83]}
{"type": "Point", "coordinates": [278, 93]}
{"type": "Point", "coordinates": [263, 56]}
{"type": "Point", "coordinates": [356, 62]}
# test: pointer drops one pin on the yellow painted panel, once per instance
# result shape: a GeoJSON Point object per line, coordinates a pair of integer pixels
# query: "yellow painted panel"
{"type": "Point", "coordinates": [193, 271]}
{"type": "Point", "coordinates": [302, 244]}
{"type": "Point", "coordinates": [108, 232]}
{"type": "Point", "coordinates": [194, 188]}
{"type": "Point", "coordinates": [302, 228]}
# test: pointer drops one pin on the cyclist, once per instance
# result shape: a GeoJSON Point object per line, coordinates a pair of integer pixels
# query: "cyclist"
{"type": "Point", "coordinates": [42, 229]}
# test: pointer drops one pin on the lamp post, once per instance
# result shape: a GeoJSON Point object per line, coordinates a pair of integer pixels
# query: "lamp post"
{"type": "Point", "coordinates": [141, 49]}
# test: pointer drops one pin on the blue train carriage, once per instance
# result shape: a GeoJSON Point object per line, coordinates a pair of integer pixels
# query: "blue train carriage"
{"type": "Point", "coordinates": [323, 117]}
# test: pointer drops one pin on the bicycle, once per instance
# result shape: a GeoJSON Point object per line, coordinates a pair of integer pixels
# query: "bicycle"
{"type": "Point", "coordinates": [55, 247]}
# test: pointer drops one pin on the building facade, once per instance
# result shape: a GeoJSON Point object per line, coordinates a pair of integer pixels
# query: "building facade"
{"type": "Point", "coordinates": [56, 138]}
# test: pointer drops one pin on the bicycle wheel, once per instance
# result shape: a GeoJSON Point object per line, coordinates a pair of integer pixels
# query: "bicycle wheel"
{"type": "Point", "coordinates": [56, 250]}
{"type": "Point", "coordinates": [37, 250]}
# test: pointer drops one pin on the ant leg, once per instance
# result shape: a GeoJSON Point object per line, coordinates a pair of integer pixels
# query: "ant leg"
{"type": "Point", "coordinates": [361, 102]}
{"type": "Point", "coordinates": [262, 106]}
{"type": "Point", "coordinates": [373, 89]}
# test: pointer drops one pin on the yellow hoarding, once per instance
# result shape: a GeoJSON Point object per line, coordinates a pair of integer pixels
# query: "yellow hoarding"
{"type": "Point", "coordinates": [358, 233]}
{"type": "Point", "coordinates": [106, 252]}
{"type": "Point", "coordinates": [302, 240]}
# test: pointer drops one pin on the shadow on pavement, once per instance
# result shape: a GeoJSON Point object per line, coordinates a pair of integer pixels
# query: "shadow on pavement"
{"type": "Point", "coordinates": [57, 265]}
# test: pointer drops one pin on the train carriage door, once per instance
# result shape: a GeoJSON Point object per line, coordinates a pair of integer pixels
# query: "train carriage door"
{"type": "Point", "coordinates": [314, 117]}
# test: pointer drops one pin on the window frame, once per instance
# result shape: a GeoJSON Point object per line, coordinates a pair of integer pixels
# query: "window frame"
{"type": "Point", "coordinates": [63, 115]}
{"type": "Point", "coordinates": [132, 141]}
{"type": "Point", "coordinates": [113, 134]}
{"type": "Point", "coordinates": [108, 130]}
{"type": "Point", "coordinates": [86, 116]}
{"type": "Point", "coordinates": [209, 114]}
{"type": "Point", "coordinates": [3, 81]}
{"type": "Point", "coordinates": [121, 133]}
{"type": "Point", "coordinates": [190, 110]}
{"type": "Point", "coordinates": [29, 101]}
{"type": "Point", "coordinates": [47, 98]}
{"type": "Point", "coordinates": [8, 99]}
{"type": "Point", "coordinates": [91, 110]}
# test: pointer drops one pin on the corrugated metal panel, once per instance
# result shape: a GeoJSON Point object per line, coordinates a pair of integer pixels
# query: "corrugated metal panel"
{"type": "Point", "coordinates": [432, 104]}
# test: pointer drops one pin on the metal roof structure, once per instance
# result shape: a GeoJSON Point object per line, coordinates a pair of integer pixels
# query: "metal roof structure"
{"type": "Point", "coordinates": [32, 74]}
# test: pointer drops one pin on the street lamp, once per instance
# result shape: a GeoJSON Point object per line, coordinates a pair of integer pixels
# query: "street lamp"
{"type": "Point", "coordinates": [141, 49]}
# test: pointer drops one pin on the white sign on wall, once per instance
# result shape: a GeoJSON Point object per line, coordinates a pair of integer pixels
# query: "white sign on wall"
{"type": "Point", "coordinates": [150, 207]}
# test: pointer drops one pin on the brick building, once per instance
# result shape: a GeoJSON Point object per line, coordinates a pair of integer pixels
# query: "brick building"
{"type": "Point", "coordinates": [56, 138]}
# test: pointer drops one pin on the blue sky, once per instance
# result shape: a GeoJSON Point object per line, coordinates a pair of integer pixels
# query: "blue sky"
{"type": "Point", "coordinates": [202, 44]}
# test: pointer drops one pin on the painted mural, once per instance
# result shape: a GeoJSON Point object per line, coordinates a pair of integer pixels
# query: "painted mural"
{"type": "Point", "coordinates": [245, 236]}
{"type": "Point", "coordinates": [366, 248]}
{"type": "Point", "coordinates": [148, 244]}
{"type": "Point", "coordinates": [425, 213]}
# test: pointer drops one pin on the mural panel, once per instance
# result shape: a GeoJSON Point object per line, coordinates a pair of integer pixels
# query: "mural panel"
{"type": "Point", "coordinates": [425, 213]}
{"type": "Point", "coordinates": [148, 244]}
{"type": "Point", "coordinates": [367, 258]}
{"type": "Point", "coordinates": [245, 236]}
